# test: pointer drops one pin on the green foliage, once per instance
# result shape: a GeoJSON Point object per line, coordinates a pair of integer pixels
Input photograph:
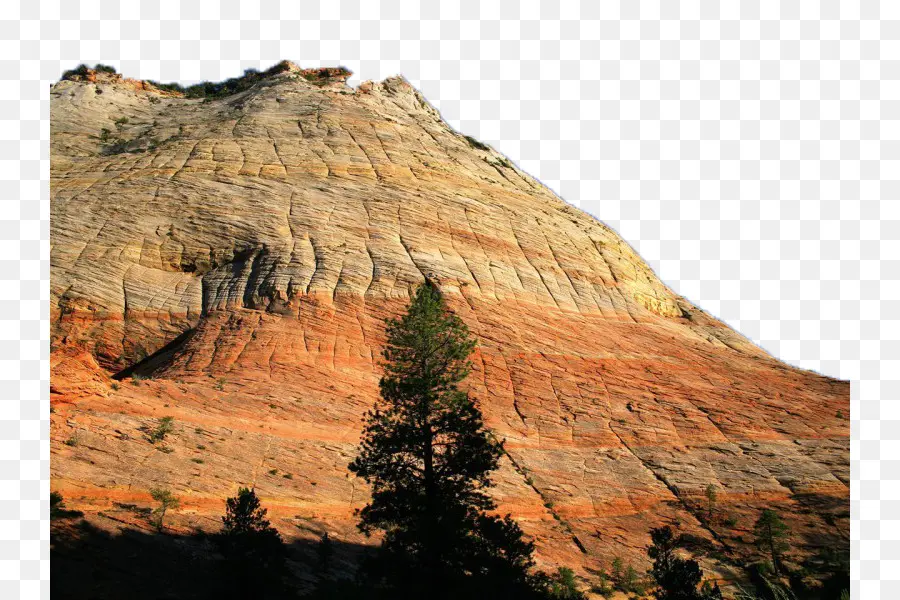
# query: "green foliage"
{"type": "Point", "coordinates": [617, 570]}
{"type": "Point", "coordinates": [676, 578]}
{"type": "Point", "coordinates": [835, 565]}
{"type": "Point", "coordinates": [602, 587]}
{"type": "Point", "coordinates": [58, 508]}
{"type": "Point", "coordinates": [476, 144]}
{"type": "Point", "coordinates": [208, 89]}
{"type": "Point", "coordinates": [72, 441]}
{"type": "Point", "coordinates": [563, 586]}
{"type": "Point", "coordinates": [428, 459]}
{"type": "Point", "coordinates": [625, 578]}
{"type": "Point", "coordinates": [839, 414]}
{"type": "Point", "coordinates": [82, 71]}
{"type": "Point", "coordinates": [768, 587]}
{"type": "Point", "coordinates": [163, 428]}
{"type": "Point", "coordinates": [711, 497]}
{"type": "Point", "coordinates": [56, 503]}
{"type": "Point", "coordinates": [770, 536]}
{"type": "Point", "coordinates": [254, 551]}
{"type": "Point", "coordinates": [166, 500]}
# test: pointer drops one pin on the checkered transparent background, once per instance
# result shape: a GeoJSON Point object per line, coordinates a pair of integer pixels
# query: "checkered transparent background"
{"type": "Point", "coordinates": [749, 151]}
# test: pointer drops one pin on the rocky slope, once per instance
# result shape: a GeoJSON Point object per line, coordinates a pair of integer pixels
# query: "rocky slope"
{"type": "Point", "coordinates": [231, 261]}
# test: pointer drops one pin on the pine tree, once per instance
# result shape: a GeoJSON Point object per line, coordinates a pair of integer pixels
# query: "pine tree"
{"type": "Point", "coordinates": [166, 501]}
{"type": "Point", "coordinates": [771, 532]}
{"type": "Point", "coordinates": [253, 550]}
{"type": "Point", "coordinates": [428, 458]}
{"type": "Point", "coordinates": [677, 578]}
{"type": "Point", "coordinates": [711, 497]}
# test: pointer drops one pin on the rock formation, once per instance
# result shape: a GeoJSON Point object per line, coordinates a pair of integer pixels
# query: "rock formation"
{"type": "Point", "coordinates": [231, 261]}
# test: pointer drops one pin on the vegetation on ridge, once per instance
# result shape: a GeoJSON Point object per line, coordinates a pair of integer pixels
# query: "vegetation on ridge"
{"type": "Point", "coordinates": [221, 89]}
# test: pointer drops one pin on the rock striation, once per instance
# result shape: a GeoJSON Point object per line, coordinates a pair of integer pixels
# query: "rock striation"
{"type": "Point", "coordinates": [229, 261]}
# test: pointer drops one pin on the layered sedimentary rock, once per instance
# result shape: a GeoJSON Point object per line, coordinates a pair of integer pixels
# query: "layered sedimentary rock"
{"type": "Point", "coordinates": [232, 260]}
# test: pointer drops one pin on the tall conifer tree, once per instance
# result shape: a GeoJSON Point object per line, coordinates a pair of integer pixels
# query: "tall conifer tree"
{"type": "Point", "coordinates": [428, 458]}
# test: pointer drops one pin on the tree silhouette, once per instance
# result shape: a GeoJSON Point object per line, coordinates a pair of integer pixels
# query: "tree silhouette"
{"type": "Point", "coordinates": [677, 578]}
{"type": "Point", "coordinates": [771, 533]}
{"type": "Point", "coordinates": [253, 550]}
{"type": "Point", "coordinates": [428, 458]}
{"type": "Point", "coordinates": [324, 550]}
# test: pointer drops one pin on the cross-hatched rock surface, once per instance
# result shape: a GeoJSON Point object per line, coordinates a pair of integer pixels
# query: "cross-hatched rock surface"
{"type": "Point", "coordinates": [237, 258]}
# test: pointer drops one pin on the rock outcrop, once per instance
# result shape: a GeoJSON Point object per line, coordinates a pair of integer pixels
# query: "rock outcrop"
{"type": "Point", "coordinates": [231, 261]}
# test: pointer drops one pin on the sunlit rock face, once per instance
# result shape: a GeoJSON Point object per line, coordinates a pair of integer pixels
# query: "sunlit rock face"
{"type": "Point", "coordinates": [242, 253]}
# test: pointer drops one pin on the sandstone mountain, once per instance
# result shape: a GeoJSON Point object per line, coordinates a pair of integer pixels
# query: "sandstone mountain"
{"type": "Point", "coordinates": [229, 261]}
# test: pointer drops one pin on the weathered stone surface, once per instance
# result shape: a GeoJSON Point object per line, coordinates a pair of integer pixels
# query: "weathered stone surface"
{"type": "Point", "coordinates": [257, 242]}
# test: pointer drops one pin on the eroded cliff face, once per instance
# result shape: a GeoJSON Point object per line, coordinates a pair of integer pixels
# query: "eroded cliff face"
{"type": "Point", "coordinates": [251, 246]}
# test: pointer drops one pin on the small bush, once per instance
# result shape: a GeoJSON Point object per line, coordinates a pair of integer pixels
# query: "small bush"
{"type": "Point", "coordinates": [115, 386]}
{"type": "Point", "coordinates": [288, 476]}
{"type": "Point", "coordinates": [199, 461]}
{"type": "Point", "coordinates": [220, 384]}
{"type": "Point", "coordinates": [58, 508]}
{"type": "Point", "coordinates": [839, 414]}
{"type": "Point", "coordinates": [475, 143]}
{"type": "Point", "coordinates": [625, 578]}
{"type": "Point", "coordinates": [563, 586]}
{"type": "Point", "coordinates": [273, 471]}
{"type": "Point", "coordinates": [56, 502]}
{"type": "Point", "coordinates": [166, 500]}
{"type": "Point", "coordinates": [201, 447]}
{"type": "Point", "coordinates": [163, 428]}
{"type": "Point", "coordinates": [72, 441]}
{"type": "Point", "coordinates": [603, 588]}
{"type": "Point", "coordinates": [82, 71]}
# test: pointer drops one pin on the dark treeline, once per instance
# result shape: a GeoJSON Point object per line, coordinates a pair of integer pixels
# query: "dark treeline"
{"type": "Point", "coordinates": [219, 89]}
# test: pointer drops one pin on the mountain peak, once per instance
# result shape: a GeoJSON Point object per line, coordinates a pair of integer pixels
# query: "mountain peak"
{"type": "Point", "coordinates": [228, 253]}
